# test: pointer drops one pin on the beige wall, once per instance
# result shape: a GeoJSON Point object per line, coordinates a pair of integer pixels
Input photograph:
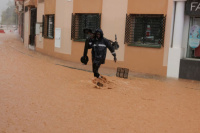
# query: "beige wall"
{"type": "Point", "coordinates": [26, 28]}
{"type": "Point", "coordinates": [87, 6]}
{"type": "Point", "coordinates": [30, 2]}
{"type": "Point", "coordinates": [113, 22]}
{"type": "Point", "coordinates": [147, 6]}
{"type": "Point", "coordinates": [139, 59]}
{"type": "Point", "coordinates": [49, 7]}
{"type": "Point", "coordinates": [64, 22]}
{"type": "Point", "coordinates": [40, 13]}
{"type": "Point", "coordinates": [145, 60]}
{"type": "Point", "coordinates": [168, 30]}
{"type": "Point", "coordinates": [48, 44]}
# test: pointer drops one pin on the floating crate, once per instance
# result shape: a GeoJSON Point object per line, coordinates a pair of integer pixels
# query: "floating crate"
{"type": "Point", "coordinates": [122, 72]}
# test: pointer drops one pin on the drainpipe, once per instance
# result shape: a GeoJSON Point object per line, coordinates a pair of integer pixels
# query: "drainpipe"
{"type": "Point", "coordinates": [23, 20]}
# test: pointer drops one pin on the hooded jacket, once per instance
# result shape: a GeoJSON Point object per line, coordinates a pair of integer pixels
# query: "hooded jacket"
{"type": "Point", "coordinates": [99, 49]}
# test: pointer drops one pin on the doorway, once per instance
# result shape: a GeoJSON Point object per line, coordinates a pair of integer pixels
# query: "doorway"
{"type": "Point", "coordinates": [32, 26]}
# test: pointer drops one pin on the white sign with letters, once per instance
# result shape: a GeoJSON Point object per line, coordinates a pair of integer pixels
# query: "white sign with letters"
{"type": "Point", "coordinates": [192, 7]}
{"type": "Point", "coordinates": [195, 6]}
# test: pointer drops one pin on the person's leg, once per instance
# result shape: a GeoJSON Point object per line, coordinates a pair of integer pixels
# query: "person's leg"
{"type": "Point", "coordinates": [96, 69]}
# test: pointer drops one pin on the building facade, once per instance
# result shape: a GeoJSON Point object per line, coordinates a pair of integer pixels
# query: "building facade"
{"type": "Point", "coordinates": [30, 14]}
{"type": "Point", "coordinates": [68, 18]}
{"type": "Point", "coordinates": [20, 13]}
{"type": "Point", "coordinates": [153, 35]}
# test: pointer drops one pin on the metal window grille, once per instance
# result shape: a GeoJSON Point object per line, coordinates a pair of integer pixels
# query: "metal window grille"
{"type": "Point", "coordinates": [43, 18]}
{"type": "Point", "coordinates": [82, 21]}
{"type": "Point", "coordinates": [45, 26]}
{"type": "Point", "coordinates": [145, 29]}
{"type": "Point", "coordinates": [51, 26]}
{"type": "Point", "coordinates": [48, 26]}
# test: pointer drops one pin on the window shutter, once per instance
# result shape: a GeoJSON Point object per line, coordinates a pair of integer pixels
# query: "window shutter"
{"type": "Point", "coordinates": [127, 29]}
{"type": "Point", "coordinates": [77, 25]}
{"type": "Point", "coordinates": [73, 27]}
{"type": "Point", "coordinates": [163, 29]}
{"type": "Point", "coordinates": [47, 26]}
{"type": "Point", "coordinates": [43, 26]}
{"type": "Point", "coordinates": [53, 17]}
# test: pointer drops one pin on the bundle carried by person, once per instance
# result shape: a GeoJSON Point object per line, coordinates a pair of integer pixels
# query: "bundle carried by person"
{"type": "Point", "coordinates": [115, 43]}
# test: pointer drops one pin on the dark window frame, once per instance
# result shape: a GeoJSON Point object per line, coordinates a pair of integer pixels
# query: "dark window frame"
{"type": "Point", "coordinates": [48, 29]}
{"type": "Point", "coordinates": [81, 21]}
{"type": "Point", "coordinates": [145, 30]}
{"type": "Point", "coordinates": [26, 8]}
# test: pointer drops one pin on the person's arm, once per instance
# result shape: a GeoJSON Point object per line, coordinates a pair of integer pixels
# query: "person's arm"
{"type": "Point", "coordinates": [90, 44]}
{"type": "Point", "coordinates": [112, 50]}
{"type": "Point", "coordinates": [86, 48]}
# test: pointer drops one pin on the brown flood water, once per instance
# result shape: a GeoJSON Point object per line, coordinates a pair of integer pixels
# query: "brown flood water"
{"type": "Point", "coordinates": [38, 96]}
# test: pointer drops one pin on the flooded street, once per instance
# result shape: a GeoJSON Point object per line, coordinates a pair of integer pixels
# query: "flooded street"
{"type": "Point", "coordinates": [39, 96]}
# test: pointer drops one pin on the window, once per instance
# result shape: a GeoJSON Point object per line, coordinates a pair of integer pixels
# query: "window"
{"type": "Point", "coordinates": [81, 21]}
{"type": "Point", "coordinates": [145, 30]}
{"type": "Point", "coordinates": [193, 48]}
{"type": "Point", "coordinates": [48, 26]}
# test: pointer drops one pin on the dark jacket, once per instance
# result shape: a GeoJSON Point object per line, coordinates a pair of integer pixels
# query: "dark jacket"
{"type": "Point", "coordinates": [99, 48]}
{"type": "Point", "coordinates": [88, 45]}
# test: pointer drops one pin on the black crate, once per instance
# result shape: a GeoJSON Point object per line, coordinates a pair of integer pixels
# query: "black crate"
{"type": "Point", "coordinates": [122, 72]}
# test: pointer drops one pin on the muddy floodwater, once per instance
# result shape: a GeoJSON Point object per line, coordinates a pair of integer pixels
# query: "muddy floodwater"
{"type": "Point", "coordinates": [39, 96]}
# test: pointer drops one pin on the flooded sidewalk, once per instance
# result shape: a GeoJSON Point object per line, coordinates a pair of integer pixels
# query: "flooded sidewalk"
{"type": "Point", "coordinates": [42, 94]}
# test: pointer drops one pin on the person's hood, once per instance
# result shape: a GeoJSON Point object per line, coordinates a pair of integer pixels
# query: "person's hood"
{"type": "Point", "coordinates": [100, 31]}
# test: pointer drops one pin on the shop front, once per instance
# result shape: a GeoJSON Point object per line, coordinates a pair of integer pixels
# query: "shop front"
{"type": "Point", "coordinates": [185, 52]}
{"type": "Point", "coordinates": [190, 66]}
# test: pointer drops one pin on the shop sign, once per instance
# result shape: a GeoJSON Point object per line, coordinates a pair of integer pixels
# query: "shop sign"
{"type": "Point", "coordinates": [194, 37]}
{"type": "Point", "coordinates": [193, 8]}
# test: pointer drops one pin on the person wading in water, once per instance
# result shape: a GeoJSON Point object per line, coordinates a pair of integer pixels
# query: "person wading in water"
{"type": "Point", "coordinates": [99, 45]}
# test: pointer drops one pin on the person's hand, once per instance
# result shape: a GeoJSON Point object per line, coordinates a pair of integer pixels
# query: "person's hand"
{"type": "Point", "coordinates": [115, 59]}
{"type": "Point", "coordinates": [114, 54]}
